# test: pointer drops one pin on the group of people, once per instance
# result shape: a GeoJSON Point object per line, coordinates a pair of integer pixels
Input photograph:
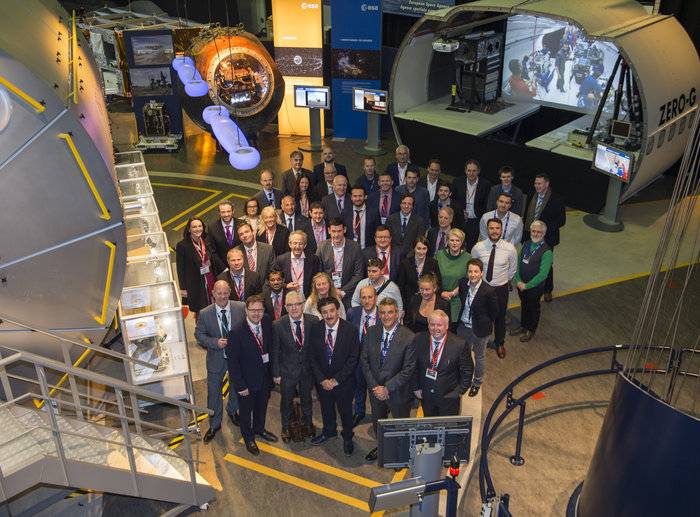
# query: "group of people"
{"type": "Point", "coordinates": [384, 288]}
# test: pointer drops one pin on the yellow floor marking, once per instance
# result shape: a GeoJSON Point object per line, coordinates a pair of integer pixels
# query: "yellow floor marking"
{"type": "Point", "coordinates": [187, 210]}
{"type": "Point", "coordinates": [326, 469]}
{"type": "Point", "coordinates": [298, 482]}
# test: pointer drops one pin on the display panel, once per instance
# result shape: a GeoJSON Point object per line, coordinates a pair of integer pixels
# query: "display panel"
{"type": "Point", "coordinates": [312, 97]}
{"type": "Point", "coordinates": [152, 50]}
{"type": "Point", "coordinates": [612, 161]}
{"type": "Point", "coordinates": [554, 62]}
{"type": "Point", "coordinates": [371, 101]}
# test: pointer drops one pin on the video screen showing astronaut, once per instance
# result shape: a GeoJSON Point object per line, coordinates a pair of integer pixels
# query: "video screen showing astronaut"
{"type": "Point", "coordinates": [552, 61]}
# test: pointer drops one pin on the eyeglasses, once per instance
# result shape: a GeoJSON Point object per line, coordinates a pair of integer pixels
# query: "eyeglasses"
{"type": "Point", "coordinates": [296, 304]}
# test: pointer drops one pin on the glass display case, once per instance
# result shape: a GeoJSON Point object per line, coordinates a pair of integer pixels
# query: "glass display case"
{"type": "Point", "coordinates": [147, 271]}
{"type": "Point", "coordinates": [147, 298]}
{"type": "Point", "coordinates": [140, 206]}
{"type": "Point", "coordinates": [131, 171]}
{"type": "Point", "coordinates": [135, 188]}
{"type": "Point", "coordinates": [139, 224]}
{"type": "Point", "coordinates": [145, 246]}
{"type": "Point", "coordinates": [128, 157]}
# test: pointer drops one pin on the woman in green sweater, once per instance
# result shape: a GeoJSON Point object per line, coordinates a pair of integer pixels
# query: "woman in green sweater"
{"type": "Point", "coordinates": [534, 264]}
{"type": "Point", "coordinates": [452, 262]}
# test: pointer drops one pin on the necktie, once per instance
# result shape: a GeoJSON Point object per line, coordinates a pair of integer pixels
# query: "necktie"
{"type": "Point", "coordinates": [386, 263]}
{"type": "Point", "coordinates": [385, 205]}
{"type": "Point", "coordinates": [237, 279]}
{"type": "Point", "coordinates": [278, 305]}
{"type": "Point", "coordinates": [384, 350]}
{"type": "Point", "coordinates": [538, 206]}
{"type": "Point", "coordinates": [441, 241]}
{"type": "Point", "coordinates": [229, 235]}
{"type": "Point", "coordinates": [224, 324]}
{"type": "Point", "coordinates": [356, 225]}
{"type": "Point", "coordinates": [492, 259]}
{"type": "Point", "coordinates": [340, 205]}
{"type": "Point", "coordinates": [329, 346]}
{"type": "Point", "coordinates": [271, 199]}
{"type": "Point", "coordinates": [403, 225]}
{"type": "Point", "coordinates": [364, 327]}
{"type": "Point", "coordinates": [251, 260]}
{"type": "Point", "coordinates": [297, 335]}
{"type": "Point", "coordinates": [290, 224]}
{"type": "Point", "coordinates": [436, 352]}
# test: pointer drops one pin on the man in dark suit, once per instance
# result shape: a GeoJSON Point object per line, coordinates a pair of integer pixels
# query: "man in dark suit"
{"type": "Point", "coordinates": [369, 179]}
{"type": "Point", "coordinates": [327, 163]}
{"type": "Point", "coordinates": [397, 170]}
{"type": "Point", "coordinates": [444, 199]}
{"type": "Point", "coordinates": [405, 226]}
{"type": "Point", "coordinates": [360, 220]}
{"type": "Point", "coordinates": [472, 193]}
{"type": "Point", "coordinates": [548, 208]}
{"type": "Point", "coordinates": [325, 186]}
{"type": "Point", "coordinates": [291, 175]}
{"type": "Point", "coordinates": [222, 235]}
{"type": "Point", "coordinates": [385, 201]}
{"type": "Point", "coordinates": [342, 259]}
{"type": "Point", "coordinates": [257, 256]}
{"type": "Point", "coordinates": [390, 255]}
{"type": "Point", "coordinates": [211, 332]}
{"type": "Point", "coordinates": [438, 235]}
{"type": "Point", "coordinates": [338, 204]}
{"type": "Point", "coordinates": [421, 198]}
{"type": "Point", "coordinates": [273, 293]}
{"type": "Point", "coordinates": [388, 361]}
{"type": "Point", "coordinates": [479, 311]}
{"type": "Point", "coordinates": [242, 283]}
{"type": "Point", "coordinates": [268, 195]}
{"type": "Point", "coordinates": [506, 186]}
{"type": "Point", "coordinates": [334, 354]}
{"type": "Point", "coordinates": [290, 362]}
{"type": "Point", "coordinates": [297, 266]}
{"type": "Point", "coordinates": [294, 221]}
{"type": "Point", "coordinates": [444, 367]}
{"type": "Point", "coordinates": [248, 355]}
{"type": "Point", "coordinates": [363, 317]}
{"type": "Point", "coordinates": [432, 180]}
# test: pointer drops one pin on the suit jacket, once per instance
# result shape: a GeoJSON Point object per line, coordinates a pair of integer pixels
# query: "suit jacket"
{"type": "Point", "coordinates": [374, 199]}
{"type": "Point", "coordinates": [421, 201]}
{"type": "Point", "coordinates": [317, 174]}
{"type": "Point", "coordinates": [355, 317]}
{"type": "Point", "coordinates": [484, 307]}
{"type": "Point", "coordinates": [245, 362]}
{"type": "Point", "coordinates": [459, 193]}
{"type": "Point", "coordinates": [280, 242]}
{"type": "Point", "coordinates": [289, 181]}
{"type": "Point", "coordinates": [394, 259]}
{"type": "Point", "coordinates": [432, 237]}
{"type": "Point", "coordinates": [371, 223]}
{"type": "Point", "coordinates": [414, 228]}
{"type": "Point", "coordinates": [423, 182]}
{"type": "Point", "coordinates": [267, 301]}
{"type": "Point", "coordinates": [330, 205]}
{"type": "Point", "coordinates": [252, 283]}
{"type": "Point", "coordinates": [287, 361]}
{"type": "Point", "coordinates": [263, 201]}
{"type": "Point", "coordinates": [264, 260]}
{"type": "Point", "coordinates": [208, 331]}
{"type": "Point", "coordinates": [457, 208]}
{"type": "Point", "coordinates": [353, 265]}
{"type": "Point", "coordinates": [346, 353]}
{"type": "Point", "coordinates": [320, 190]}
{"type": "Point", "coordinates": [188, 273]}
{"type": "Point", "coordinates": [553, 215]}
{"type": "Point", "coordinates": [218, 245]}
{"type": "Point", "coordinates": [408, 276]}
{"type": "Point", "coordinates": [396, 374]}
{"type": "Point", "coordinates": [393, 169]}
{"type": "Point", "coordinates": [312, 265]}
{"type": "Point", "coordinates": [518, 205]}
{"type": "Point", "coordinates": [454, 371]}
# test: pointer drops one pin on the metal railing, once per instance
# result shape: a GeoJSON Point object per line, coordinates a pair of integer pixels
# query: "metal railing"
{"type": "Point", "coordinates": [486, 485]}
{"type": "Point", "coordinates": [42, 364]}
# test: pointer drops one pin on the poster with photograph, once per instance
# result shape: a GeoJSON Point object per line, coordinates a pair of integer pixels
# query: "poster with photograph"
{"type": "Point", "coordinates": [152, 50]}
{"type": "Point", "coordinates": [151, 81]}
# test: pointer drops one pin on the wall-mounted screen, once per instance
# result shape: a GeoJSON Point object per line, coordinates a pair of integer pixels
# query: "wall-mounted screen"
{"type": "Point", "coordinates": [612, 161]}
{"type": "Point", "coordinates": [371, 101]}
{"type": "Point", "coordinates": [312, 97]}
{"type": "Point", "coordinates": [555, 63]}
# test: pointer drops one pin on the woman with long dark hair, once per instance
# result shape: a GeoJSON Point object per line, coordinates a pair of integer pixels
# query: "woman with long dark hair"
{"type": "Point", "coordinates": [194, 266]}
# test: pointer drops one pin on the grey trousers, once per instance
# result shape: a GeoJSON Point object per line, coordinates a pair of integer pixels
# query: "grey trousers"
{"type": "Point", "coordinates": [478, 346]}
{"type": "Point", "coordinates": [215, 381]}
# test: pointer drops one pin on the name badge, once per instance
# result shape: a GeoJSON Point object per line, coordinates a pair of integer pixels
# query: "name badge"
{"type": "Point", "coordinates": [204, 270]}
{"type": "Point", "coordinates": [431, 374]}
{"type": "Point", "coordinates": [265, 358]}
{"type": "Point", "coordinates": [526, 261]}
{"type": "Point", "coordinates": [337, 279]}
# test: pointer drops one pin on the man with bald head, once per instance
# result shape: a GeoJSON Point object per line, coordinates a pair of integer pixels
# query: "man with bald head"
{"type": "Point", "coordinates": [328, 163]}
{"type": "Point", "coordinates": [339, 203]}
{"type": "Point", "coordinates": [211, 332]}
{"type": "Point", "coordinates": [268, 195]}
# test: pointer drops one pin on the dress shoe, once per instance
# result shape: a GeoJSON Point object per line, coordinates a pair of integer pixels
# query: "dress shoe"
{"type": "Point", "coordinates": [348, 447]}
{"type": "Point", "coordinates": [268, 436]}
{"type": "Point", "coordinates": [527, 336]}
{"type": "Point", "coordinates": [310, 430]}
{"type": "Point", "coordinates": [474, 390]}
{"type": "Point", "coordinates": [372, 455]}
{"type": "Point", "coordinates": [357, 419]}
{"type": "Point", "coordinates": [517, 332]}
{"type": "Point", "coordinates": [547, 297]}
{"type": "Point", "coordinates": [319, 439]}
{"type": "Point", "coordinates": [501, 351]}
{"type": "Point", "coordinates": [234, 419]}
{"type": "Point", "coordinates": [286, 435]}
{"type": "Point", "coordinates": [252, 447]}
{"type": "Point", "coordinates": [210, 434]}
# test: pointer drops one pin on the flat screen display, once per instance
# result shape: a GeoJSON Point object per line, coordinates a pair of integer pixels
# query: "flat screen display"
{"type": "Point", "coordinates": [371, 101]}
{"type": "Point", "coordinates": [312, 97]}
{"type": "Point", "coordinates": [612, 161]}
{"type": "Point", "coordinates": [555, 63]}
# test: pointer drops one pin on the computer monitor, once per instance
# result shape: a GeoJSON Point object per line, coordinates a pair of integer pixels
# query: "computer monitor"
{"type": "Point", "coordinates": [613, 161]}
{"type": "Point", "coordinates": [394, 437]}
{"type": "Point", "coordinates": [312, 97]}
{"type": "Point", "coordinates": [620, 129]}
{"type": "Point", "coordinates": [371, 101]}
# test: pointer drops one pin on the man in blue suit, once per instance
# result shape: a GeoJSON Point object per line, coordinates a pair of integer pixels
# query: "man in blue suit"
{"type": "Point", "coordinates": [361, 221]}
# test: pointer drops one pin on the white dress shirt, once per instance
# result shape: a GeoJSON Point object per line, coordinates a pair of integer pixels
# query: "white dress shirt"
{"type": "Point", "coordinates": [505, 261]}
{"type": "Point", "coordinates": [390, 291]}
{"type": "Point", "coordinates": [402, 174]}
{"type": "Point", "coordinates": [466, 317]}
{"type": "Point", "coordinates": [470, 198]}
{"type": "Point", "coordinates": [512, 226]}
{"type": "Point", "coordinates": [432, 188]}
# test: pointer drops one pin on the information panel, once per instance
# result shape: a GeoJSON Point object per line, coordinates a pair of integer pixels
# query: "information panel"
{"type": "Point", "coordinates": [414, 7]}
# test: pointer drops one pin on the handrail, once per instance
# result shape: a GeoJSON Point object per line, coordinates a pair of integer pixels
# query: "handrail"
{"type": "Point", "coordinates": [88, 179]}
{"type": "Point", "coordinates": [38, 106]}
{"type": "Point", "coordinates": [108, 282]}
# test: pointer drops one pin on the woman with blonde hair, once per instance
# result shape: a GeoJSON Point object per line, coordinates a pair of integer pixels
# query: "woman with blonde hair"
{"type": "Point", "coordinates": [452, 262]}
{"type": "Point", "coordinates": [271, 232]}
{"type": "Point", "coordinates": [322, 287]}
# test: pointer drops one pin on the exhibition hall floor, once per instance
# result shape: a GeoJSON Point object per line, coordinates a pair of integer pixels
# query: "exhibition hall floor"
{"type": "Point", "coordinates": [599, 282]}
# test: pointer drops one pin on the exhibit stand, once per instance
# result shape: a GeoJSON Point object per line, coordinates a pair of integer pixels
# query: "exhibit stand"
{"type": "Point", "coordinates": [609, 219]}
{"type": "Point", "coordinates": [373, 146]}
{"type": "Point", "coordinates": [315, 142]}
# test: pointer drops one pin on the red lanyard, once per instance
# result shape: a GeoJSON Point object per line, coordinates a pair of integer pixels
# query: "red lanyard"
{"type": "Point", "coordinates": [437, 351]}
{"type": "Point", "coordinates": [299, 343]}
{"type": "Point", "coordinates": [297, 275]}
{"type": "Point", "coordinates": [338, 260]}
{"type": "Point", "coordinates": [201, 249]}
{"type": "Point", "coordinates": [257, 339]}
{"type": "Point", "coordinates": [235, 286]}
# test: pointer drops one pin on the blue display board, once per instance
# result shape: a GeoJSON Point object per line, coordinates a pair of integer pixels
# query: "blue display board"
{"type": "Point", "coordinates": [355, 60]}
{"type": "Point", "coordinates": [414, 7]}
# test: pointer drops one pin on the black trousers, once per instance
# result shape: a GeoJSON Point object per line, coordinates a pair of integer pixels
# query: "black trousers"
{"type": "Point", "coordinates": [440, 406]}
{"type": "Point", "coordinates": [499, 325]}
{"type": "Point", "coordinates": [252, 410]}
{"type": "Point", "coordinates": [530, 307]}
{"type": "Point", "coordinates": [399, 408]}
{"type": "Point", "coordinates": [339, 398]}
{"type": "Point", "coordinates": [471, 229]}
{"type": "Point", "coordinates": [303, 383]}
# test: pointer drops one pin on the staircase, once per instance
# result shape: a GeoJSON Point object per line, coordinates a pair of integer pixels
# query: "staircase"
{"type": "Point", "coordinates": [58, 445]}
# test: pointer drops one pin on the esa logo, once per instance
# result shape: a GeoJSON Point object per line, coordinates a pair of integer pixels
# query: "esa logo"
{"type": "Point", "coordinates": [304, 5]}
{"type": "Point", "coordinates": [365, 7]}
{"type": "Point", "coordinates": [675, 107]}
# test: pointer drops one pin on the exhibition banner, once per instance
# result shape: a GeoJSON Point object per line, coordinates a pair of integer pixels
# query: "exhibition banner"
{"type": "Point", "coordinates": [414, 7]}
{"type": "Point", "coordinates": [356, 41]}
{"type": "Point", "coordinates": [298, 39]}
